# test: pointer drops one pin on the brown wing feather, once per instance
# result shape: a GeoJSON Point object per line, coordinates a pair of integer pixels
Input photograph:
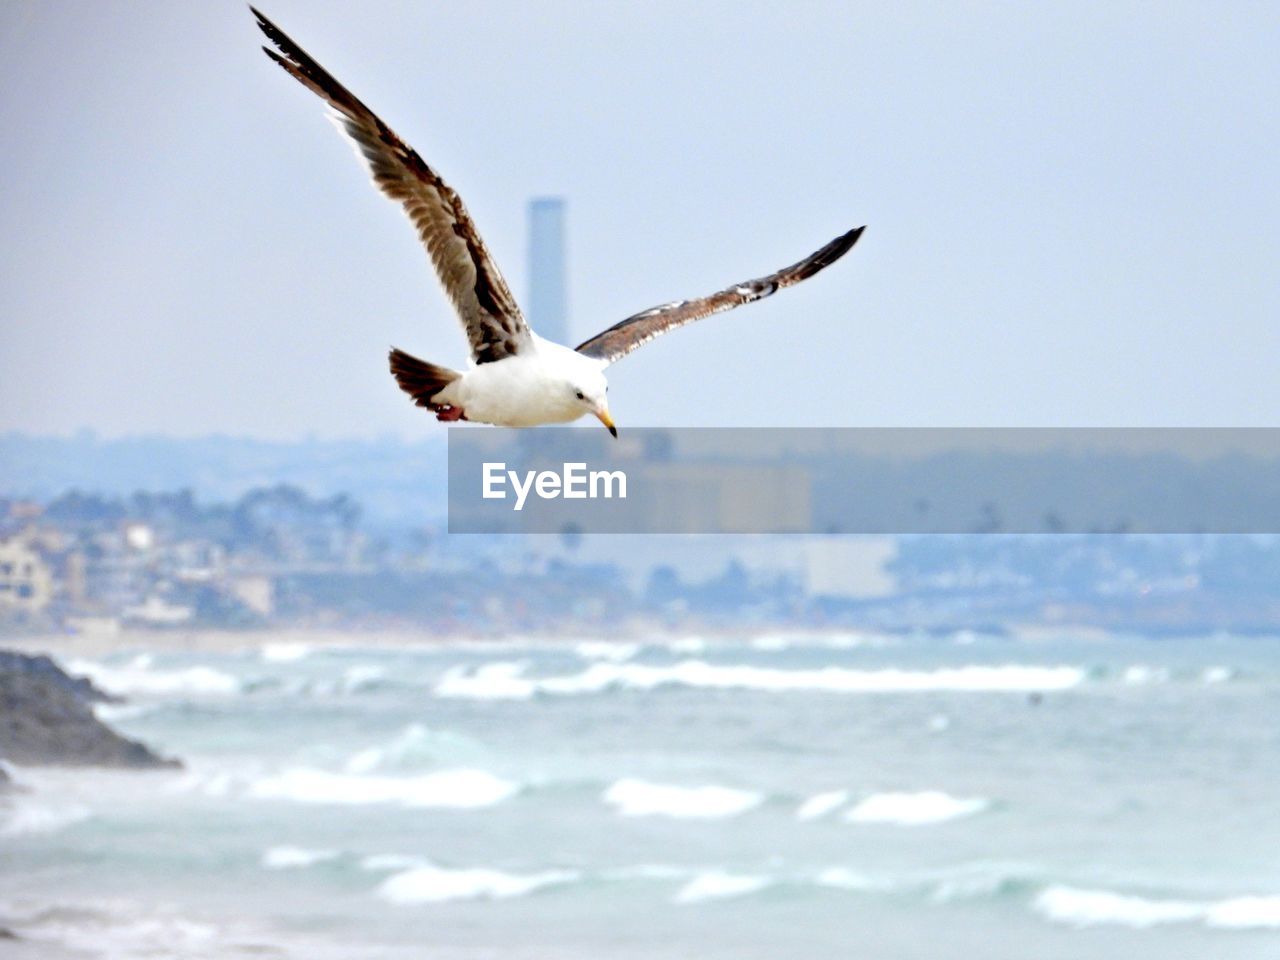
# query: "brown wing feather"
{"type": "Point", "coordinates": [637, 330]}
{"type": "Point", "coordinates": [489, 314]}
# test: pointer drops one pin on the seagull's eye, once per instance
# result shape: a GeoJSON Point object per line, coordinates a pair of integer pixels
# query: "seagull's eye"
{"type": "Point", "coordinates": [580, 396]}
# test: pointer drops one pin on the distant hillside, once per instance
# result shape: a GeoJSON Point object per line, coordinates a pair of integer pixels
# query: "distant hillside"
{"type": "Point", "coordinates": [395, 482]}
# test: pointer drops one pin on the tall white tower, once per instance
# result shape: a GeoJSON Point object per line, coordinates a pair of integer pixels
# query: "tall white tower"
{"type": "Point", "coordinates": [548, 300]}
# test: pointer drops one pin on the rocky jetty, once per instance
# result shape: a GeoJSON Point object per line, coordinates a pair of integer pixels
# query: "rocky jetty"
{"type": "Point", "coordinates": [46, 718]}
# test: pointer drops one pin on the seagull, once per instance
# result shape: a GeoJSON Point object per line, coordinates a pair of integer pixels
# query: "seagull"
{"type": "Point", "coordinates": [515, 378]}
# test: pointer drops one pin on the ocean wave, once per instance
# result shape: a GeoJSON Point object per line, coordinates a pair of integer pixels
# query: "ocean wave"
{"type": "Point", "coordinates": [138, 677]}
{"type": "Point", "coordinates": [1088, 908]}
{"type": "Point", "coordinates": [458, 789]}
{"type": "Point", "coordinates": [772, 642]}
{"type": "Point", "coordinates": [431, 884]}
{"type": "Point", "coordinates": [689, 644]}
{"type": "Point", "coordinates": [25, 816]}
{"type": "Point", "coordinates": [506, 680]}
{"type": "Point", "coordinates": [119, 929]}
{"type": "Point", "coordinates": [967, 881]}
{"type": "Point", "coordinates": [414, 747]}
{"type": "Point", "coordinates": [387, 862]}
{"type": "Point", "coordinates": [1245, 913]}
{"type": "Point", "coordinates": [1143, 675]}
{"type": "Point", "coordinates": [778, 642]}
{"type": "Point", "coordinates": [611, 650]}
{"type": "Point", "coordinates": [821, 804]}
{"type": "Point", "coordinates": [638, 798]}
{"type": "Point", "coordinates": [503, 680]}
{"type": "Point", "coordinates": [362, 676]}
{"type": "Point", "coordinates": [285, 651]}
{"type": "Point", "coordinates": [285, 858]}
{"type": "Point", "coordinates": [719, 885]}
{"type": "Point", "coordinates": [914, 809]}
{"type": "Point", "coordinates": [845, 878]}
{"type": "Point", "coordinates": [116, 712]}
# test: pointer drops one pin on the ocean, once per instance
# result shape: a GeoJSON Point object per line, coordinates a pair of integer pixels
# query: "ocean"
{"type": "Point", "coordinates": [788, 795]}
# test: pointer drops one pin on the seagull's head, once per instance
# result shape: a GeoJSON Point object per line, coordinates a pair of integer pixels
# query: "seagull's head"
{"type": "Point", "coordinates": [589, 390]}
{"type": "Point", "coordinates": [574, 385]}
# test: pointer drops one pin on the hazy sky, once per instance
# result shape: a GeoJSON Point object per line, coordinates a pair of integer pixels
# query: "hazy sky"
{"type": "Point", "coordinates": [1073, 209]}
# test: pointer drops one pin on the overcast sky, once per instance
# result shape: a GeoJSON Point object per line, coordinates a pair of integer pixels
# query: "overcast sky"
{"type": "Point", "coordinates": [1072, 209]}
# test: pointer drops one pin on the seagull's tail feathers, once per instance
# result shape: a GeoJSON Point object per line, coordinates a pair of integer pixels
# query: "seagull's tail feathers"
{"type": "Point", "coordinates": [419, 379]}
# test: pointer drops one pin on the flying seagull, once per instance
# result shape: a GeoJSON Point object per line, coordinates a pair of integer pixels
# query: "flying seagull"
{"type": "Point", "coordinates": [515, 378]}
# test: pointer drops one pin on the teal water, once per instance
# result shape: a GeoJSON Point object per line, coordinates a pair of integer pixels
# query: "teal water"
{"type": "Point", "coordinates": [819, 796]}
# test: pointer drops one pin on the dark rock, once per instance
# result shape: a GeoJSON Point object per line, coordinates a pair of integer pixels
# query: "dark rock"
{"type": "Point", "coordinates": [38, 665]}
{"type": "Point", "coordinates": [45, 718]}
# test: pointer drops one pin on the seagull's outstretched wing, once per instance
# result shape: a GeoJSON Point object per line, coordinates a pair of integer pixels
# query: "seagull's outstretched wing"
{"type": "Point", "coordinates": [472, 280]}
{"type": "Point", "coordinates": [635, 331]}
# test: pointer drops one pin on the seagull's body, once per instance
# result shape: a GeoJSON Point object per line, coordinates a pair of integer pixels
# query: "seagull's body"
{"type": "Point", "coordinates": [527, 389]}
{"type": "Point", "coordinates": [515, 378]}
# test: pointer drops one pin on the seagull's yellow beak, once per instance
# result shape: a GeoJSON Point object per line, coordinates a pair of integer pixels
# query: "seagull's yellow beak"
{"type": "Point", "coordinates": [603, 414]}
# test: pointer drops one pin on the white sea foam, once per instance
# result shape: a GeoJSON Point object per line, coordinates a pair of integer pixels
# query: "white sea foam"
{"type": "Point", "coordinates": [138, 677]}
{"type": "Point", "coordinates": [431, 884]}
{"type": "Point", "coordinates": [285, 858]}
{"type": "Point", "coordinates": [361, 677]}
{"type": "Point", "coordinates": [1142, 675]}
{"type": "Point", "coordinates": [285, 652]}
{"type": "Point", "coordinates": [507, 681]}
{"type": "Point", "coordinates": [820, 804]}
{"type": "Point", "coordinates": [914, 809]}
{"type": "Point", "coordinates": [412, 747]}
{"type": "Point", "coordinates": [502, 680]}
{"type": "Point", "coordinates": [1245, 913]}
{"type": "Point", "coordinates": [718, 885]}
{"type": "Point", "coordinates": [843, 878]}
{"type": "Point", "coordinates": [638, 798]}
{"type": "Point", "coordinates": [115, 712]}
{"type": "Point", "coordinates": [772, 642]}
{"type": "Point", "coordinates": [1218, 675]}
{"type": "Point", "coordinates": [462, 789]}
{"type": "Point", "coordinates": [1086, 908]}
{"type": "Point", "coordinates": [27, 816]}
{"type": "Point", "coordinates": [610, 650]}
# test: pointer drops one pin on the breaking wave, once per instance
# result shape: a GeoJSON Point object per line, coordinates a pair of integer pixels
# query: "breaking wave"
{"type": "Point", "coordinates": [24, 816]}
{"type": "Point", "coordinates": [285, 651]}
{"type": "Point", "coordinates": [139, 677]}
{"type": "Point", "coordinates": [611, 650]}
{"type": "Point", "coordinates": [914, 809]}
{"type": "Point", "coordinates": [638, 798]}
{"type": "Point", "coordinates": [432, 884]}
{"type": "Point", "coordinates": [1087, 908]}
{"type": "Point", "coordinates": [821, 804]}
{"type": "Point", "coordinates": [506, 680]}
{"type": "Point", "coordinates": [458, 789]}
{"type": "Point", "coordinates": [286, 858]}
{"type": "Point", "coordinates": [719, 885]}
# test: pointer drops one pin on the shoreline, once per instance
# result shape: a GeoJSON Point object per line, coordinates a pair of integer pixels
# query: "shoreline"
{"type": "Point", "coordinates": [219, 641]}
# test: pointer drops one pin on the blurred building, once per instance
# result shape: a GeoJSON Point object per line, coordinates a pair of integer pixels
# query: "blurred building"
{"type": "Point", "coordinates": [26, 583]}
{"type": "Point", "coordinates": [849, 568]}
{"type": "Point", "coordinates": [548, 297]}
